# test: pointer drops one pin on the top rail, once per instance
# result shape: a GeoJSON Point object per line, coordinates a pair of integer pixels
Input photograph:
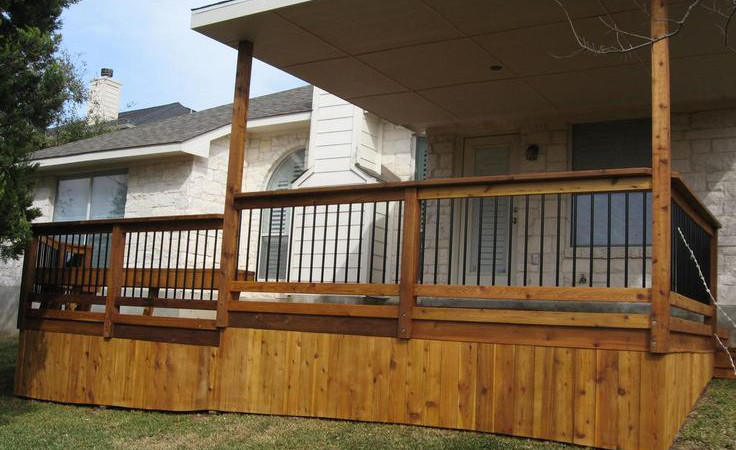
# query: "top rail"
{"type": "Point", "coordinates": [553, 182]}
{"type": "Point", "coordinates": [190, 222]}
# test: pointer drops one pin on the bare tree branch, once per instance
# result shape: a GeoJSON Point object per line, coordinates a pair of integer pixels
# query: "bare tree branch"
{"type": "Point", "coordinates": [627, 41]}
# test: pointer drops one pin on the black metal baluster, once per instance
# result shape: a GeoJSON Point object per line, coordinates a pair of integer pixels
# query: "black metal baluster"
{"type": "Point", "coordinates": [186, 265]}
{"type": "Point", "coordinates": [373, 244]}
{"type": "Point", "coordinates": [574, 239]}
{"type": "Point", "coordinates": [314, 231]}
{"type": "Point", "coordinates": [422, 238]}
{"type": "Point", "coordinates": [360, 242]}
{"type": "Point", "coordinates": [176, 271]}
{"type": "Point", "coordinates": [385, 244]}
{"type": "Point", "coordinates": [466, 236]}
{"type": "Point", "coordinates": [451, 239]}
{"type": "Point", "coordinates": [480, 242]}
{"type": "Point", "coordinates": [324, 243]}
{"type": "Point", "coordinates": [153, 253]}
{"type": "Point", "coordinates": [541, 240]}
{"type": "Point", "coordinates": [337, 236]}
{"type": "Point", "coordinates": [168, 263]}
{"type": "Point", "coordinates": [99, 255]}
{"type": "Point", "coordinates": [608, 244]}
{"type": "Point", "coordinates": [592, 238]}
{"type": "Point", "coordinates": [143, 261]}
{"type": "Point", "coordinates": [511, 239]}
{"type": "Point", "coordinates": [347, 245]}
{"type": "Point", "coordinates": [204, 263]}
{"type": "Point", "coordinates": [194, 266]}
{"type": "Point", "coordinates": [268, 243]}
{"type": "Point", "coordinates": [557, 254]}
{"type": "Point", "coordinates": [398, 240]}
{"type": "Point", "coordinates": [214, 264]}
{"type": "Point", "coordinates": [62, 250]}
{"type": "Point", "coordinates": [104, 269]}
{"type": "Point", "coordinates": [526, 236]}
{"type": "Point", "coordinates": [436, 240]}
{"type": "Point", "coordinates": [237, 245]}
{"type": "Point", "coordinates": [256, 275]}
{"type": "Point", "coordinates": [247, 248]}
{"type": "Point", "coordinates": [644, 240]}
{"type": "Point", "coordinates": [301, 243]}
{"type": "Point", "coordinates": [495, 241]}
{"type": "Point", "coordinates": [289, 243]}
{"type": "Point", "coordinates": [278, 250]}
{"type": "Point", "coordinates": [626, 239]}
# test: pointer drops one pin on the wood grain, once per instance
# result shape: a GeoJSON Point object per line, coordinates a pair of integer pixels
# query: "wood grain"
{"type": "Point", "coordinates": [604, 398]}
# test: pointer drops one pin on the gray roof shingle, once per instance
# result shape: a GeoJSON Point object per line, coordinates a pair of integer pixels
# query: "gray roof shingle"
{"type": "Point", "coordinates": [144, 116]}
{"type": "Point", "coordinates": [184, 127]}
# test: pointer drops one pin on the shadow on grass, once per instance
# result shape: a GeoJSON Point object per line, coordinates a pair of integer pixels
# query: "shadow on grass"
{"type": "Point", "coordinates": [11, 407]}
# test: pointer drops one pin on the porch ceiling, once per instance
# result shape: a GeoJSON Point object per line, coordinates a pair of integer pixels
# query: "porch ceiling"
{"type": "Point", "coordinates": [425, 63]}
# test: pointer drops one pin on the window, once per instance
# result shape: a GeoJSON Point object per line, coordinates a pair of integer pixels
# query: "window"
{"type": "Point", "coordinates": [612, 145]}
{"type": "Point", "coordinates": [276, 223]}
{"type": "Point", "coordinates": [91, 197]}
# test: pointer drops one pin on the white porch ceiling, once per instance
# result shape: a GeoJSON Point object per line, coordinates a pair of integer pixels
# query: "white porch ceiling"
{"type": "Point", "coordinates": [426, 63]}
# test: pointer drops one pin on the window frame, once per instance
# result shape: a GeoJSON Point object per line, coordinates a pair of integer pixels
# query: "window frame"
{"type": "Point", "coordinates": [90, 176]}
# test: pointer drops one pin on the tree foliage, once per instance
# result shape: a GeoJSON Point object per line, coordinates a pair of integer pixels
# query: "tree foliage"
{"type": "Point", "coordinates": [36, 82]}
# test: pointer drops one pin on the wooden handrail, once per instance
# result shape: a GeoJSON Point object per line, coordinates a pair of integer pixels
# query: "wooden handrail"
{"type": "Point", "coordinates": [692, 204]}
{"type": "Point", "coordinates": [380, 192]}
{"type": "Point", "coordinates": [167, 223]}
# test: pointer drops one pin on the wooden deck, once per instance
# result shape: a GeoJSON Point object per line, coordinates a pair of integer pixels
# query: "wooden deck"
{"type": "Point", "coordinates": [582, 371]}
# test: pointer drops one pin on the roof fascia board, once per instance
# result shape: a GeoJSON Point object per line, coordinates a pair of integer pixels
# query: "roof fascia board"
{"type": "Point", "coordinates": [110, 156]}
{"type": "Point", "coordinates": [231, 10]}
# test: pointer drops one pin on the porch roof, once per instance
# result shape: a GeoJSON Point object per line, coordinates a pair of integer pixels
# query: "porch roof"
{"type": "Point", "coordinates": [423, 63]}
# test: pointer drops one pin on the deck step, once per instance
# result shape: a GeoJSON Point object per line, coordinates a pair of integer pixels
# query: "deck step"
{"type": "Point", "coordinates": [722, 365]}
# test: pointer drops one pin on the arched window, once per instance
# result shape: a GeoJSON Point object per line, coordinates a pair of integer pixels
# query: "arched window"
{"type": "Point", "coordinates": [276, 223]}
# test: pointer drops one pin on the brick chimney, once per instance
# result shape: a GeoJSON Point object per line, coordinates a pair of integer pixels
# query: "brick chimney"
{"type": "Point", "coordinates": [103, 104]}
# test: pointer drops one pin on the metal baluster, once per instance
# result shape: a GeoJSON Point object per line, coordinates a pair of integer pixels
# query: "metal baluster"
{"type": "Point", "coordinates": [592, 238]}
{"type": "Point", "coordinates": [436, 240]}
{"type": "Point", "coordinates": [541, 240]}
{"type": "Point", "coordinates": [347, 248]}
{"type": "Point", "coordinates": [398, 240]}
{"type": "Point", "coordinates": [557, 254]}
{"type": "Point", "coordinates": [385, 244]}
{"type": "Point", "coordinates": [301, 243]}
{"type": "Point", "coordinates": [480, 241]}
{"type": "Point", "coordinates": [626, 239]}
{"type": "Point", "coordinates": [360, 242]}
{"type": "Point", "coordinates": [466, 236]}
{"type": "Point", "coordinates": [324, 241]}
{"type": "Point", "coordinates": [337, 235]}
{"type": "Point", "coordinates": [451, 239]}
{"type": "Point", "coordinates": [214, 262]}
{"type": "Point", "coordinates": [526, 236]}
{"type": "Point", "coordinates": [608, 244]}
{"type": "Point", "coordinates": [288, 244]}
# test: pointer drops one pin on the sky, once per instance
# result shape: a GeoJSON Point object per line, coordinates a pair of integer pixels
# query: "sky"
{"type": "Point", "coordinates": [155, 54]}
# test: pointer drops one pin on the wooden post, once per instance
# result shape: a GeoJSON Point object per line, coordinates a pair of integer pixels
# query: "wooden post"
{"type": "Point", "coordinates": [27, 279]}
{"type": "Point", "coordinates": [114, 280]}
{"type": "Point", "coordinates": [661, 180]}
{"type": "Point", "coordinates": [409, 261]}
{"type": "Point", "coordinates": [236, 159]}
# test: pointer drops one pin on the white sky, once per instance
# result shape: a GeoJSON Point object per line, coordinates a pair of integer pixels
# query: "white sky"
{"type": "Point", "coordinates": [155, 54]}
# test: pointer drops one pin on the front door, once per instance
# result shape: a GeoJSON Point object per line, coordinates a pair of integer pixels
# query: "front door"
{"type": "Point", "coordinates": [490, 220]}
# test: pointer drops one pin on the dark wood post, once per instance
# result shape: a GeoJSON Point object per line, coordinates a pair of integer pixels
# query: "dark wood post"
{"type": "Point", "coordinates": [236, 159]}
{"type": "Point", "coordinates": [661, 179]}
{"type": "Point", "coordinates": [114, 279]}
{"type": "Point", "coordinates": [27, 279]}
{"type": "Point", "coordinates": [409, 261]}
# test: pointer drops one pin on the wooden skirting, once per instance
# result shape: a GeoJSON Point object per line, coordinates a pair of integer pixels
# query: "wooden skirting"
{"type": "Point", "coordinates": [604, 398]}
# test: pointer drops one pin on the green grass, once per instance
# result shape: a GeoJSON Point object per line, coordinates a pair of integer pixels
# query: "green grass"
{"type": "Point", "coordinates": [27, 424]}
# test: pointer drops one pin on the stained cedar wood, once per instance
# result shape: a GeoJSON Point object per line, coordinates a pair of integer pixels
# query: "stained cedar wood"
{"type": "Point", "coordinates": [535, 293]}
{"type": "Point", "coordinates": [690, 327]}
{"type": "Point", "coordinates": [234, 184]}
{"type": "Point", "coordinates": [598, 397]}
{"type": "Point", "coordinates": [314, 288]}
{"type": "Point", "coordinates": [409, 261]}
{"type": "Point", "coordinates": [616, 179]}
{"type": "Point", "coordinates": [661, 177]}
{"type": "Point", "coordinates": [326, 309]}
{"type": "Point", "coordinates": [691, 305]}
{"type": "Point", "coordinates": [114, 279]}
{"type": "Point", "coordinates": [165, 223]}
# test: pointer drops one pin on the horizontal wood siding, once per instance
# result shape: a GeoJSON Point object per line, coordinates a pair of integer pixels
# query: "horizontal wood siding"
{"type": "Point", "coordinates": [606, 398]}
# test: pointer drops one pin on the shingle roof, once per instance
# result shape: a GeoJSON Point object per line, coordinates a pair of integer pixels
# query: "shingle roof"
{"type": "Point", "coordinates": [184, 127]}
{"type": "Point", "coordinates": [144, 116]}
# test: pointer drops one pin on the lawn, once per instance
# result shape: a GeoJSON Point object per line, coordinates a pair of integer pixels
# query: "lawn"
{"type": "Point", "coordinates": [26, 424]}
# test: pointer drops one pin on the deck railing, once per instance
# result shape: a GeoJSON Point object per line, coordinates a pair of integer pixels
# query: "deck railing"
{"type": "Point", "coordinates": [445, 259]}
